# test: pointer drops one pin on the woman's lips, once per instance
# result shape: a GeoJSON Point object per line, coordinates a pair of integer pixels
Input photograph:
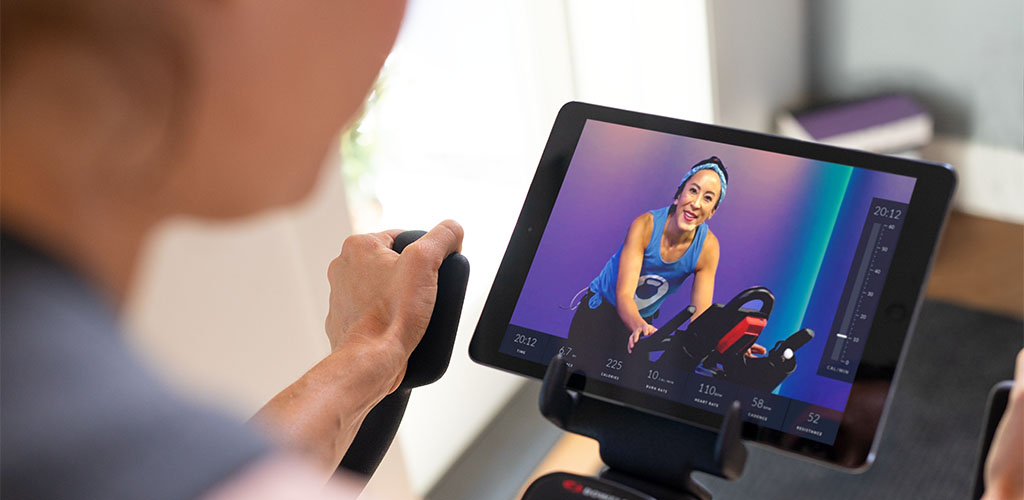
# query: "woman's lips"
{"type": "Point", "coordinates": [689, 216]}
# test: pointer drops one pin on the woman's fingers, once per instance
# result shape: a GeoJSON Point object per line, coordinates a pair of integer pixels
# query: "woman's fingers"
{"type": "Point", "coordinates": [633, 339]}
{"type": "Point", "coordinates": [1004, 467]}
{"type": "Point", "coordinates": [388, 237]}
{"type": "Point", "coordinates": [643, 330]}
{"type": "Point", "coordinates": [379, 297]}
{"type": "Point", "coordinates": [443, 240]}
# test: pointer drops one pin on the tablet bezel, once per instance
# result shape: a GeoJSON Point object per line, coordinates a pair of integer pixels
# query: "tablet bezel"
{"type": "Point", "coordinates": [898, 303]}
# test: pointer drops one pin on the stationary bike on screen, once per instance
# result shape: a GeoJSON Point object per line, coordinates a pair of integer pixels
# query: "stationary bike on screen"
{"type": "Point", "coordinates": [715, 343]}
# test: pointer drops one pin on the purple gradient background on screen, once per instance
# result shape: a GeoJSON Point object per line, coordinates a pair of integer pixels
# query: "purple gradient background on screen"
{"type": "Point", "coordinates": [788, 223]}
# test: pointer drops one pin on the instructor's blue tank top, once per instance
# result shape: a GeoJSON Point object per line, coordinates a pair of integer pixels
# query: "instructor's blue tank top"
{"type": "Point", "coordinates": [658, 279]}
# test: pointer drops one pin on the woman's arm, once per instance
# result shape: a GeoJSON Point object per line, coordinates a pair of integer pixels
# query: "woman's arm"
{"type": "Point", "coordinates": [380, 305]}
{"type": "Point", "coordinates": [630, 261]}
{"type": "Point", "coordinates": [702, 291]}
{"type": "Point", "coordinates": [318, 415]}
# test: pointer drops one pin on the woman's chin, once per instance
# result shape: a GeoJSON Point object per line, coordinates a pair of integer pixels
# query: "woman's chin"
{"type": "Point", "coordinates": [687, 226]}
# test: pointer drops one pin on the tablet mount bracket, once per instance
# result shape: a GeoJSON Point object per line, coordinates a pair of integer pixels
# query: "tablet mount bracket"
{"type": "Point", "coordinates": [647, 457]}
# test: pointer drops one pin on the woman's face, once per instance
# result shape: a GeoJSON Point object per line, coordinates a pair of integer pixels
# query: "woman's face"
{"type": "Point", "coordinates": [696, 203]}
{"type": "Point", "coordinates": [274, 83]}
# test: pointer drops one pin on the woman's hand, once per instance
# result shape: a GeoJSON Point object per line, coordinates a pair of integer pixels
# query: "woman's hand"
{"type": "Point", "coordinates": [755, 351]}
{"type": "Point", "coordinates": [380, 300]}
{"type": "Point", "coordinates": [642, 330]}
{"type": "Point", "coordinates": [380, 305]}
{"type": "Point", "coordinates": [1004, 467]}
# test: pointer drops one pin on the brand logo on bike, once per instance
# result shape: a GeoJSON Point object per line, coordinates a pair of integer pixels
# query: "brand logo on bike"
{"type": "Point", "coordinates": [587, 491]}
{"type": "Point", "coordinates": [572, 486]}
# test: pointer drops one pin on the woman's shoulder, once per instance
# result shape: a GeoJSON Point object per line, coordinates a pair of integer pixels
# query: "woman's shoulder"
{"type": "Point", "coordinates": [643, 222]}
{"type": "Point", "coordinates": [710, 238]}
{"type": "Point", "coordinates": [641, 228]}
{"type": "Point", "coordinates": [646, 219]}
{"type": "Point", "coordinates": [709, 250]}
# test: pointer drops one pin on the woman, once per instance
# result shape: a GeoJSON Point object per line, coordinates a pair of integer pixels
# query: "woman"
{"type": "Point", "coordinates": [119, 114]}
{"type": "Point", "coordinates": [662, 249]}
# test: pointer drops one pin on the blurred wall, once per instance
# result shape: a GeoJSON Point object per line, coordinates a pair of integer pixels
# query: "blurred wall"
{"type": "Point", "coordinates": [760, 60]}
{"type": "Point", "coordinates": [963, 60]}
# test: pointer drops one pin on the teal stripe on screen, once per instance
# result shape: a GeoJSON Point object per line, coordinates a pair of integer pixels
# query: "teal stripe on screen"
{"type": "Point", "coordinates": [828, 193]}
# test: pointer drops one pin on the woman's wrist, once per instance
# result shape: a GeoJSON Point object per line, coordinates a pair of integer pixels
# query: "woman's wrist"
{"type": "Point", "coordinates": [319, 414]}
{"type": "Point", "coordinates": [637, 323]}
{"type": "Point", "coordinates": [631, 319]}
{"type": "Point", "coordinates": [359, 374]}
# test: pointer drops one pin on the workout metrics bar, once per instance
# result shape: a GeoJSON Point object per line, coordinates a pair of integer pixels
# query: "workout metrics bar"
{"type": "Point", "coordinates": [706, 393]}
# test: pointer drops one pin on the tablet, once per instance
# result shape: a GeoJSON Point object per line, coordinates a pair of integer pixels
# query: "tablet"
{"type": "Point", "coordinates": [679, 266]}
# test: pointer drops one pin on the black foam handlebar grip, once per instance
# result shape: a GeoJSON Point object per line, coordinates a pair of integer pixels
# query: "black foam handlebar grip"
{"type": "Point", "coordinates": [657, 339]}
{"type": "Point", "coordinates": [429, 360]}
{"type": "Point", "coordinates": [798, 339]}
{"type": "Point", "coordinates": [427, 363]}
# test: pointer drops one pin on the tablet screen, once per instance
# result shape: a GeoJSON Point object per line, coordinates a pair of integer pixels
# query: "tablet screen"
{"type": "Point", "coordinates": [783, 258]}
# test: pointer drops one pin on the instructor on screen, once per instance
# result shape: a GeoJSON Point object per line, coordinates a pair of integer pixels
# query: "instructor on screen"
{"type": "Point", "coordinates": [662, 249]}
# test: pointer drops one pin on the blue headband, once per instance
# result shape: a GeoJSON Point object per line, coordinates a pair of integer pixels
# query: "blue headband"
{"type": "Point", "coordinates": [707, 166]}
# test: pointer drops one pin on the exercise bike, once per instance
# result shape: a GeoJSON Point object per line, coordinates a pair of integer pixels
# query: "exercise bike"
{"type": "Point", "coordinates": [716, 343]}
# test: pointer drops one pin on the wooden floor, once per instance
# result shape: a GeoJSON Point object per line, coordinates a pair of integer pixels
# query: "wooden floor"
{"type": "Point", "coordinates": [980, 264]}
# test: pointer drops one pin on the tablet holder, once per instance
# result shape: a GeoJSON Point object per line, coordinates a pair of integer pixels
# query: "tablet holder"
{"type": "Point", "coordinates": [427, 364]}
{"type": "Point", "coordinates": [647, 457]}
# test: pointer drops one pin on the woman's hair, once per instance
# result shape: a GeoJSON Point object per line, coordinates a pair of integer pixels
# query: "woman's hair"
{"type": "Point", "coordinates": [714, 160]}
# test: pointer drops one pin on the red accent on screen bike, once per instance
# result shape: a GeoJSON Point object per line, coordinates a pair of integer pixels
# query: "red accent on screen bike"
{"type": "Point", "coordinates": [744, 334]}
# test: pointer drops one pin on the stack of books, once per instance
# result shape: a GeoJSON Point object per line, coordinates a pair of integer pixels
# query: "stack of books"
{"type": "Point", "coordinates": [889, 124]}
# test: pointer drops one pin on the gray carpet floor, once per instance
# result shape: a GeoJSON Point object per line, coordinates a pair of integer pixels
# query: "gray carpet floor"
{"type": "Point", "coordinates": [931, 438]}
